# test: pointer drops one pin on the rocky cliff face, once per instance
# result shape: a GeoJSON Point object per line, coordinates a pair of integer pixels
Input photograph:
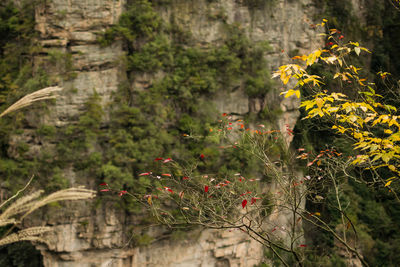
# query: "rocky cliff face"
{"type": "Point", "coordinates": [97, 237]}
{"type": "Point", "coordinates": [71, 27]}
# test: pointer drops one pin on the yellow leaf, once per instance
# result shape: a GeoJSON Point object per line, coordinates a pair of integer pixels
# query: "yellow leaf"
{"type": "Point", "coordinates": [297, 93]}
{"type": "Point", "coordinates": [288, 93]}
{"type": "Point", "coordinates": [395, 137]}
{"type": "Point", "coordinates": [377, 156]}
{"type": "Point", "coordinates": [392, 168]}
{"type": "Point", "coordinates": [332, 109]}
{"type": "Point", "coordinates": [303, 57]}
{"type": "Point", "coordinates": [363, 108]}
{"type": "Point", "coordinates": [319, 102]}
{"type": "Point", "coordinates": [357, 50]}
{"type": "Point", "coordinates": [365, 49]}
{"type": "Point", "coordinates": [386, 157]}
{"type": "Point", "coordinates": [286, 79]}
{"type": "Point", "coordinates": [354, 43]}
{"type": "Point", "coordinates": [388, 183]}
{"type": "Point", "coordinates": [276, 74]}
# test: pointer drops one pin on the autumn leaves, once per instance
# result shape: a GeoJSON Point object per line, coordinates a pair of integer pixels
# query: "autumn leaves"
{"type": "Point", "coordinates": [366, 118]}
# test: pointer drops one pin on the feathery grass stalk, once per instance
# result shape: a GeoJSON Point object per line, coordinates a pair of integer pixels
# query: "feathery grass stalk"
{"type": "Point", "coordinates": [28, 234]}
{"type": "Point", "coordinates": [42, 94]}
{"type": "Point", "coordinates": [19, 192]}
{"type": "Point", "coordinates": [19, 209]}
{"type": "Point", "coordinates": [26, 205]}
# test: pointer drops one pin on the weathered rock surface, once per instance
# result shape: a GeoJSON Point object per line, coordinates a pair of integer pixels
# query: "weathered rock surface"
{"type": "Point", "coordinates": [210, 248]}
{"type": "Point", "coordinates": [70, 28]}
{"type": "Point", "coordinates": [98, 237]}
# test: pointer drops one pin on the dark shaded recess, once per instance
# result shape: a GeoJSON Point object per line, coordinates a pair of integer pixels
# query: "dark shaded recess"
{"type": "Point", "coordinates": [21, 254]}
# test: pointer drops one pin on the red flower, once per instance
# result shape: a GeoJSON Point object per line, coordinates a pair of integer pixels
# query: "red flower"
{"type": "Point", "coordinates": [185, 178]}
{"type": "Point", "coordinates": [103, 184]}
{"type": "Point", "coordinates": [166, 174]}
{"type": "Point", "coordinates": [206, 188]}
{"type": "Point", "coordinates": [303, 246]}
{"type": "Point", "coordinates": [341, 37]}
{"type": "Point", "coordinates": [104, 190]}
{"type": "Point", "coordinates": [224, 114]}
{"type": "Point", "coordinates": [145, 173]}
{"type": "Point", "coordinates": [202, 156]}
{"type": "Point", "coordinates": [244, 203]}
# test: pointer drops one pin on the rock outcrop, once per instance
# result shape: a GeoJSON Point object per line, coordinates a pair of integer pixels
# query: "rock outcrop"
{"type": "Point", "coordinates": [70, 29]}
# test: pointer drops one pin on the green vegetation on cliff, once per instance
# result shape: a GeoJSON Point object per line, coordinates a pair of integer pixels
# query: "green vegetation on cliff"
{"type": "Point", "coordinates": [169, 117]}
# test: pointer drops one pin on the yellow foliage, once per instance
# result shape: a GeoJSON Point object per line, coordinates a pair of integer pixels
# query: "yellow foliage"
{"type": "Point", "coordinates": [357, 119]}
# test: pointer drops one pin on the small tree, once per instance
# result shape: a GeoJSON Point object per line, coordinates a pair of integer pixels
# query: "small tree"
{"type": "Point", "coordinates": [366, 117]}
{"type": "Point", "coordinates": [179, 197]}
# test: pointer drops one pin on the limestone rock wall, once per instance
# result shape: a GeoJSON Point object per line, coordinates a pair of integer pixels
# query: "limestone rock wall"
{"type": "Point", "coordinates": [97, 237]}
{"type": "Point", "coordinates": [207, 249]}
{"type": "Point", "coordinates": [71, 28]}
